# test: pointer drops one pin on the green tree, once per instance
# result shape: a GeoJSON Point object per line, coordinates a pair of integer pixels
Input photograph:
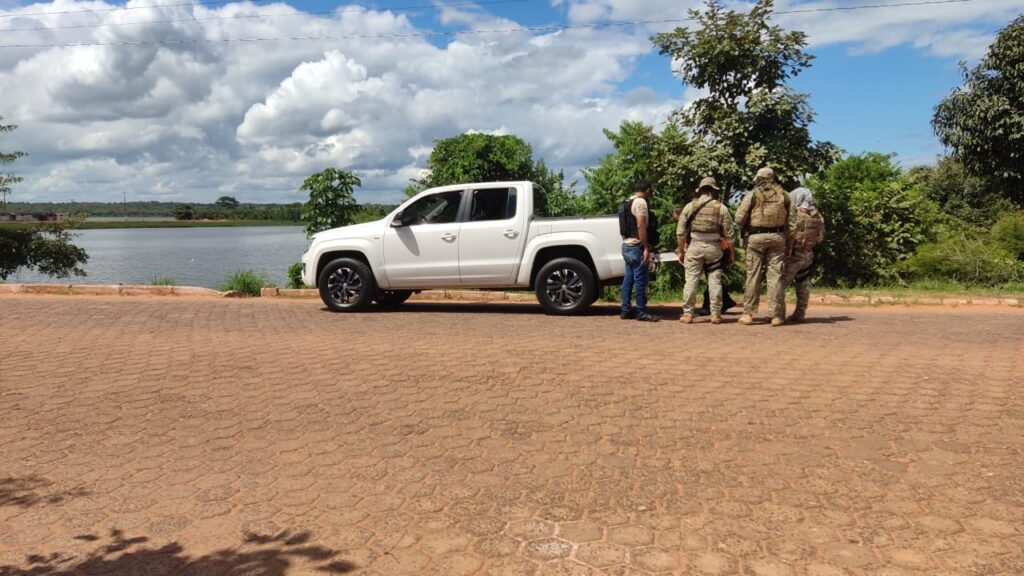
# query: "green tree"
{"type": "Point", "coordinates": [960, 195]}
{"type": "Point", "coordinates": [6, 180]}
{"type": "Point", "coordinates": [227, 202]}
{"type": "Point", "coordinates": [44, 247]}
{"type": "Point", "coordinates": [749, 118]}
{"type": "Point", "coordinates": [184, 212]}
{"type": "Point", "coordinates": [490, 158]}
{"type": "Point", "coordinates": [875, 218]}
{"type": "Point", "coordinates": [331, 203]}
{"type": "Point", "coordinates": [983, 120]}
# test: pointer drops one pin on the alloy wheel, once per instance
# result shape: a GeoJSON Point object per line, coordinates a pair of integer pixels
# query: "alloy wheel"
{"type": "Point", "coordinates": [344, 286]}
{"type": "Point", "coordinates": [564, 287]}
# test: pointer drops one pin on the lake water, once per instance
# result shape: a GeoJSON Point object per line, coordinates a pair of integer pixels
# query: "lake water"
{"type": "Point", "coordinates": [190, 256]}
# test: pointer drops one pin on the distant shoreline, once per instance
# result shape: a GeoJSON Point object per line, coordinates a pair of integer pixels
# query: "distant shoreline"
{"type": "Point", "coordinates": [165, 224]}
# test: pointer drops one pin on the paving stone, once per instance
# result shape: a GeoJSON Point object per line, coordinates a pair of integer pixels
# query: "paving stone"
{"type": "Point", "coordinates": [195, 436]}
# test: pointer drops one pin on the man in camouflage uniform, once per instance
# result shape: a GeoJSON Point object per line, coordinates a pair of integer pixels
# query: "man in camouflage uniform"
{"type": "Point", "coordinates": [703, 224]}
{"type": "Point", "coordinates": [768, 221]}
{"type": "Point", "coordinates": [810, 230]}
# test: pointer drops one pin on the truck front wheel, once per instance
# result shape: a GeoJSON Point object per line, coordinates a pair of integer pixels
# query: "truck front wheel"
{"type": "Point", "coordinates": [346, 285]}
{"type": "Point", "coordinates": [565, 286]}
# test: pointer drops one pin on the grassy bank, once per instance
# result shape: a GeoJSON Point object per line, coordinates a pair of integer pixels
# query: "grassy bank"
{"type": "Point", "coordinates": [167, 224]}
{"type": "Point", "coordinates": [929, 290]}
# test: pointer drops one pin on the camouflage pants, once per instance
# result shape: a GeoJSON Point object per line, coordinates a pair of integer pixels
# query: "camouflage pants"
{"type": "Point", "coordinates": [766, 254]}
{"type": "Point", "coordinates": [798, 262]}
{"type": "Point", "coordinates": [698, 255]}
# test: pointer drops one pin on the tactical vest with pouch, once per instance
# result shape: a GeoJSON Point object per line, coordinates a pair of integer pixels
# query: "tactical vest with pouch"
{"type": "Point", "coordinates": [707, 217]}
{"type": "Point", "coordinates": [809, 227]}
{"type": "Point", "coordinates": [628, 226]}
{"type": "Point", "coordinates": [769, 207]}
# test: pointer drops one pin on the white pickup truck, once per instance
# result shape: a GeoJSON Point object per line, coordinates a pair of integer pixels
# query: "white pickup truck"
{"type": "Point", "coordinates": [471, 236]}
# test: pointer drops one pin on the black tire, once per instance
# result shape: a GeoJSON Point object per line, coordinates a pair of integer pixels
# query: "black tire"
{"type": "Point", "coordinates": [346, 285]}
{"type": "Point", "coordinates": [392, 297]}
{"type": "Point", "coordinates": [565, 286]}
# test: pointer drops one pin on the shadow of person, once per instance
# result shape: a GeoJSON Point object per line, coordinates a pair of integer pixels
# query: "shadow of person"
{"type": "Point", "coordinates": [821, 320]}
{"type": "Point", "coordinates": [117, 554]}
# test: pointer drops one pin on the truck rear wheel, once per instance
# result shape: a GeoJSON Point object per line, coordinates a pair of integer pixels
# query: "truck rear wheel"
{"type": "Point", "coordinates": [565, 286]}
{"type": "Point", "coordinates": [346, 285]}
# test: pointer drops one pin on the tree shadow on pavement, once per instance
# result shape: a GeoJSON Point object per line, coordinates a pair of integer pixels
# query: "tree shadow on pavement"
{"type": "Point", "coordinates": [258, 555]}
{"type": "Point", "coordinates": [34, 491]}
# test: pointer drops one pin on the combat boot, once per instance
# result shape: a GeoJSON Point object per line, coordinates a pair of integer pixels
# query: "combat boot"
{"type": "Point", "coordinates": [687, 318]}
{"type": "Point", "coordinates": [778, 321]}
{"type": "Point", "coordinates": [746, 319]}
{"type": "Point", "coordinates": [716, 318]}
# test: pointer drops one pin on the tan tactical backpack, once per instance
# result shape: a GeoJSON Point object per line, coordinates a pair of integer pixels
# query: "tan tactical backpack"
{"type": "Point", "coordinates": [769, 206]}
{"type": "Point", "coordinates": [809, 227]}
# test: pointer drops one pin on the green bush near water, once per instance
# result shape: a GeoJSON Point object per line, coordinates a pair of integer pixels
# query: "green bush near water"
{"type": "Point", "coordinates": [295, 276]}
{"type": "Point", "coordinates": [246, 282]}
{"type": "Point", "coordinates": [163, 281]}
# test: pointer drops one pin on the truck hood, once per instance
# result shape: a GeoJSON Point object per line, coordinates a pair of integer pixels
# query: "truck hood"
{"type": "Point", "coordinates": [353, 231]}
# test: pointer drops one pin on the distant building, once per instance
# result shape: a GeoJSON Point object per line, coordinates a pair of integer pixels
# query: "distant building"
{"type": "Point", "coordinates": [6, 217]}
{"type": "Point", "coordinates": [25, 218]}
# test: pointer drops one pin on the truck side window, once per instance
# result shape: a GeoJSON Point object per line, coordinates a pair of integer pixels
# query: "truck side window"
{"type": "Point", "coordinates": [440, 208]}
{"type": "Point", "coordinates": [493, 204]}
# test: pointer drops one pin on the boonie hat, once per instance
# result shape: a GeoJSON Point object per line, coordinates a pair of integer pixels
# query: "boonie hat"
{"type": "Point", "coordinates": [765, 173]}
{"type": "Point", "coordinates": [708, 182]}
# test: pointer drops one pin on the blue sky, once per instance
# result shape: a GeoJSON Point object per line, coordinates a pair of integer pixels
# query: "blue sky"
{"type": "Point", "coordinates": [204, 117]}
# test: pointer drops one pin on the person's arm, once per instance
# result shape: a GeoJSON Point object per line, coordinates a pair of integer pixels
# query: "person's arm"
{"type": "Point", "coordinates": [641, 231]}
{"type": "Point", "coordinates": [728, 233]}
{"type": "Point", "coordinates": [743, 216]}
{"type": "Point", "coordinates": [790, 225]}
{"type": "Point", "coordinates": [681, 234]}
{"type": "Point", "coordinates": [743, 212]}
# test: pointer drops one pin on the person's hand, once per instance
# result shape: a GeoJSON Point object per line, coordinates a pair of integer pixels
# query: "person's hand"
{"type": "Point", "coordinates": [732, 257]}
{"type": "Point", "coordinates": [647, 256]}
{"type": "Point", "coordinates": [682, 257]}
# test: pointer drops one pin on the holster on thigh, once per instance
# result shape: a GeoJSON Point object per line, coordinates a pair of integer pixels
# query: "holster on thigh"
{"type": "Point", "coordinates": [715, 266]}
{"type": "Point", "coordinates": [805, 273]}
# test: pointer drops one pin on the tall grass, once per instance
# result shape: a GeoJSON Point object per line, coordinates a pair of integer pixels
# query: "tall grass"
{"type": "Point", "coordinates": [163, 281]}
{"type": "Point", "coordinates": [246, 282]}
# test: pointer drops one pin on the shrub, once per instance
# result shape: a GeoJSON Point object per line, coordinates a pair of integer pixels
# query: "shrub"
{"type": "Point", "coordinates": [875, 218]}
{"type": "Point", "coordinates": [246, 282]}
{"type": "Point", "coordinates": [1008, 233]}
{"type": "Point", "coordinates": [163, 281]}
{"type": "Point", "coordinates": [970, 260]}
{"type": "Point", "coordinates": [295, 276]}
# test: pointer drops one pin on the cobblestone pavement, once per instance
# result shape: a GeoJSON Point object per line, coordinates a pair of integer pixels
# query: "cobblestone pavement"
{"type": "Point", "coordinates": [175, 436]}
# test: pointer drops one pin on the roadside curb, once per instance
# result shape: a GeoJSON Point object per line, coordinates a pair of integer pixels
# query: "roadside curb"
{"type": "Point", "coordinates": [453, 295]}
{"type": "Point", "coordinates": [914, 301]}
{"type": "Point", "coordinates": [110, 290]}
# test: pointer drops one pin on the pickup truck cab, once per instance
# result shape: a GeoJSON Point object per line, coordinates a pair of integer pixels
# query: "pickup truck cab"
{"type": "Point", "coordinates": [469, 236]}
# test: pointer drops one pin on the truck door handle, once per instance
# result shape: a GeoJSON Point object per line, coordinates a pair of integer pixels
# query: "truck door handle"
{"type": "Point", "coordinates": [449, 237]}
{"type": "Point", "coordinates": [511, 233]}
